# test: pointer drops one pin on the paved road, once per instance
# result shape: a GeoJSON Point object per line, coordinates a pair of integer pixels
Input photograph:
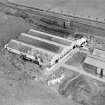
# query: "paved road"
{"type": "Point", "coordinates": [91, 9]}
{"type": "Point", "coordinates": [81, 71]}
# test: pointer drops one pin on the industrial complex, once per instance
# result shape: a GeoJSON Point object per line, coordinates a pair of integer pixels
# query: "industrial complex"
{"type": "Point", "coordinates": [43, 50]}
{"type": "Point", "coordinates": [63, 53]}
{"type": "Point", "coordinates": [55, 40]}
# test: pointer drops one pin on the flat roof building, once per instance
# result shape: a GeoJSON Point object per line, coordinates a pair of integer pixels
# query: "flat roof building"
{"type": "Point", "coordinates": [100, 54]}
{"type": "Point", "coordinates": [95, 63]}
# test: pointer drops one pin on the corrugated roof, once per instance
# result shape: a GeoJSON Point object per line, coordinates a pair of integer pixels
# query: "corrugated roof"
{"type": "Point", "coordinates": [95, 62]}
{"type": "Point", "coordinates": [50, 37]}
{"type": "Point", "coordinates": [40, 44]}
{"type": "Point", "coordinates": [17, 45]}
{"type": "Point", "coordinates": [99, 53]}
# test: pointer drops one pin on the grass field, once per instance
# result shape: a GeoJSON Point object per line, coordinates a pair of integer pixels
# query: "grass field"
{"type": "Point", "coordinates": [10, 27]}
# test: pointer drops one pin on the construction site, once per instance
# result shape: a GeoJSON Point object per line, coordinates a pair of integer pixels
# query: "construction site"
{"type": "Point", "coordinates": [55, 58]}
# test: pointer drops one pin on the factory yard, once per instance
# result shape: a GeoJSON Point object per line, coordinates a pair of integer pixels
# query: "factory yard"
{"type": "Point", "coordinates": [76, 59]}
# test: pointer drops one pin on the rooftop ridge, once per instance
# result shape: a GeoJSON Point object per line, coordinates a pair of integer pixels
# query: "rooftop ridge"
{"type": "Point", "coordinates": [28, 45]}
{"type": "Point", "coordinates": [41, 39]}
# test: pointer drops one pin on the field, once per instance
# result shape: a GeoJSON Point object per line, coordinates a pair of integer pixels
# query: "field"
{"type": "Point", "coordinates": [84, 90]}
{"type": "Point", "coordinates": [11, 27]}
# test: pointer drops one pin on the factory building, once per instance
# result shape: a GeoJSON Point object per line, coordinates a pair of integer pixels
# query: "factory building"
{"type": "Point", "coordinates": [42, 47]}
{"type": "Point", "coordinates": [38, 46]}
{"type": "Point", "coordinates": [95, 63]}
{"type": "Point", "coordinates": [30, 52]}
